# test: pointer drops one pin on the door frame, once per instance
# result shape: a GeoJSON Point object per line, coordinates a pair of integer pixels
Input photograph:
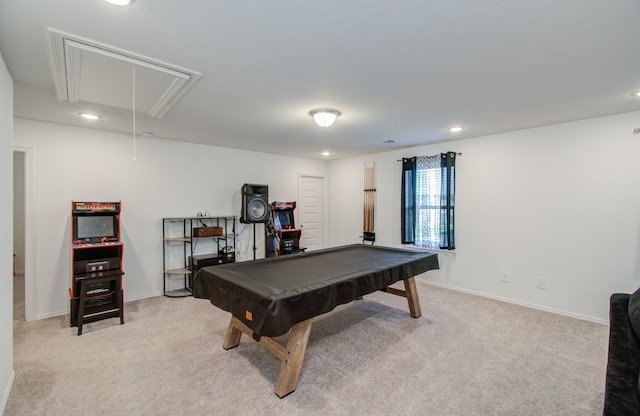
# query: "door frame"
{"type": "Point", "coordinates": [324, 204]}
{"type": "Point", "coordinates": [29, 232]}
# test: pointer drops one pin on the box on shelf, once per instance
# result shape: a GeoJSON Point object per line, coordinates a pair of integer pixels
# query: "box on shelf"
{"type": "Point", "coordinates": [207, 232]}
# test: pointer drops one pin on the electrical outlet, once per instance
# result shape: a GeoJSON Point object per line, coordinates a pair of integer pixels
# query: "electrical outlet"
{"type": "Point", "coordinates": [540, 284]}
{"type": "Point", "coordinates": [504, 277]}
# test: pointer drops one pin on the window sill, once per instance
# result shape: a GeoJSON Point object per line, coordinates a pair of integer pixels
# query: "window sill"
{"type": "Point", "coordinates": [434, 250]}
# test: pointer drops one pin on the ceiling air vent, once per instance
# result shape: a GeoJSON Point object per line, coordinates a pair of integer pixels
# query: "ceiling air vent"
{"type": "Point", "coordinates": [93, 73]}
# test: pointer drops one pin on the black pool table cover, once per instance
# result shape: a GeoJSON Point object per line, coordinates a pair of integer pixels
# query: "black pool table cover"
{"type": "Point", "coordinates": [271, 295]}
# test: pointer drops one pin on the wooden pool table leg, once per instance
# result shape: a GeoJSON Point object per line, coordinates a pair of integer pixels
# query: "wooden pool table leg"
{"type": "Point", "coordinates": [412, 297]}
{"type": "Point", "coordinates": [234, 333]}
{"type": "Point", "coordinates": [291, 366]}
{"type": "Point", "coordinates": [291, 355]}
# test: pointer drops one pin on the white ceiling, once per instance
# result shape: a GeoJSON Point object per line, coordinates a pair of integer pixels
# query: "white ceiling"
{"type": "Point", "coordinates": [403, 70]}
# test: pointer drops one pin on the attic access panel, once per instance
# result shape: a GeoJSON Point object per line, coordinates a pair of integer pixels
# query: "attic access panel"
{"type": "Point", "coordinates": [93, 73]}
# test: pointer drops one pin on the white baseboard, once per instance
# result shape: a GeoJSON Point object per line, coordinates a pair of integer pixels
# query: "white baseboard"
{"type": "Point", "coordinates": [516, 302]}
{"type": "Point", "coordinates": [50, 315]}
{"type": "Point", "coordinates": [66, 312]}
{"type": "Point", "coordinates": [151, 295]}
{"type": "Point", "coordinates": [7, 390]}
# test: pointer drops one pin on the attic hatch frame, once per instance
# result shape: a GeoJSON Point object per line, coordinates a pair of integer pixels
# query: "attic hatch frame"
{"type": "Point", "coordinates": [66, 65]}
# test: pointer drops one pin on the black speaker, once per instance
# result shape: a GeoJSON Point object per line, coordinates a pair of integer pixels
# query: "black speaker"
{"type": "Point", "coordinates": [254, 203]}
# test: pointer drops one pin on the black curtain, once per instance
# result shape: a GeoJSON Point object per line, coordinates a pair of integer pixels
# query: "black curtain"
{"type": "Point", "coordinates": [408, 209]}
{"type": "Point", "coordinates": [447, 200]}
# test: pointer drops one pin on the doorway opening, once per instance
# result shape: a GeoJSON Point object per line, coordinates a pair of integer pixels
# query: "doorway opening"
{"type": "Point", "coordinates": [23, 250]}
{"type": "Point", "coordinates": [18, 236]}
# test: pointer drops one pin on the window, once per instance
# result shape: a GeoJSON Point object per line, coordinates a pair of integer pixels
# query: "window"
{"type": "Point", "coordinates": [428, 196]}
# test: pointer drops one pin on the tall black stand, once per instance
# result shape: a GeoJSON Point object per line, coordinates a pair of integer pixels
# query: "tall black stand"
{"type": "Point", "coordinates": [254, 241]}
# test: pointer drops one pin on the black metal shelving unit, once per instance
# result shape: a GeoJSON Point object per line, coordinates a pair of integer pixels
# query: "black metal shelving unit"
{"type": "Point", "coordinates": [180, 245]}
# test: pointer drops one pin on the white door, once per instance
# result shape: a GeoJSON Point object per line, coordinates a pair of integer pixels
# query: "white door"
{"type": "Point", "coordinates": [310, 212]}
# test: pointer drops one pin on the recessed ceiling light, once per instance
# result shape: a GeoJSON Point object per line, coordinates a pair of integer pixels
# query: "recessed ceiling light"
{"type": "Point", "coordinates": [455, 129]}
{"type": "Point", "coordinates": [326, 153]}
{"type": "Point", "coordinates": [89, 116]}
{"type": "Point", "coordinates": [120, 2]}
{"type": "Point", "coordinates": [636, 93]}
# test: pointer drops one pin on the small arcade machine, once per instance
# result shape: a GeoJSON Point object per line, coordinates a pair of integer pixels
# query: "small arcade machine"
{"type": "Point", "coordinates": [96, 263]}
{"type": "Point", "coordinates": [282, 235]}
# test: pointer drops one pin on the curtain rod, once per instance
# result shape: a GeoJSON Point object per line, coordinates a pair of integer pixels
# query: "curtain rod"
{"type": "Point", "coordinates": [459, 154]}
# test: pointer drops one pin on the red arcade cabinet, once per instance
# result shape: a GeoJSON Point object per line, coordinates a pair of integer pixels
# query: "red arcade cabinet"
{"type": "Point", "coordinates": [96, 263]}
{"type": "Point", "coordinates": [282, 235]}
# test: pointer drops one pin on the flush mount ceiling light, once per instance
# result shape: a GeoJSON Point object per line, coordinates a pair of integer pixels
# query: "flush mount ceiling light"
{"type": "Point", "coordinates": [89, 116]}
{"type": "Point", "coordinates": [635, 93]}
{"type": "Point", "coordinates": [120, 2]}
{"type": "Point", "coordinates": [324, 117]}
{"type": "Point", "coordinates": [455, 129]}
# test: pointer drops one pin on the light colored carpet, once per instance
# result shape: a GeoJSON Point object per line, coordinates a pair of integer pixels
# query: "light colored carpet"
{"type": "Point", "coordinates": [466, 355]}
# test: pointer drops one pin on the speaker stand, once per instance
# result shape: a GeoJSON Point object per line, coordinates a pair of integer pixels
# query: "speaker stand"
{"type": "Point", "coordinates": [254, 241]}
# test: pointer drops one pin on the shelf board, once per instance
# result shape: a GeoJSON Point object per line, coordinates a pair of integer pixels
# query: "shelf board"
{"type": "Point", "coordinates": [188, 239]}
{"type": "Point", "coordinates": [178, 271]}
{"type": "Point", "coordinates": [221, 217]}
{"type": "Point", "coordinates": [179, 293]}
{"type": "Point", "coordinates": [177, 239]}
{"type": "Point", "coordinates": [222, 237]}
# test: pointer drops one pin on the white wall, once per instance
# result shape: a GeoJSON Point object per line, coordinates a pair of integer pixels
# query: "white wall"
{"type": "Point", "coordinates": [6, 230]}
{"type": "Point", "coordinates": [561, 202]}
{"type": "Point", "coordinates": [168, 179]}
{"type": "Point", "coordinates": [565, 206]}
